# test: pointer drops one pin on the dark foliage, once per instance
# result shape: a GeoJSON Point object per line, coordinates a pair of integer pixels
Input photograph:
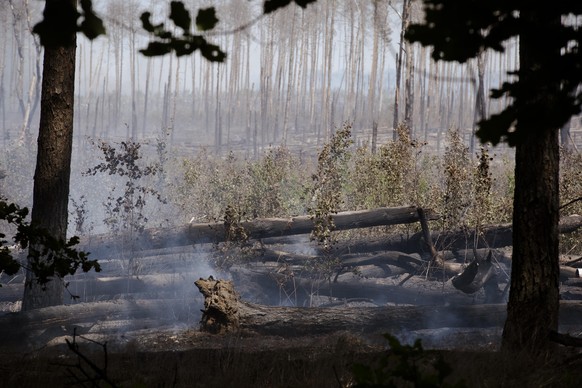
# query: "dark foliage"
{"type": "Point", "coordinates": [48, 257]}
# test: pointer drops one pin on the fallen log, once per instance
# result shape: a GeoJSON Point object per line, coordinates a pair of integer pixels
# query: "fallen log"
{"type": "Point", "coordinates": [37, 327]}
{"type": "Point", "coordinates": [284, 286]}
{"type": "Point", "coordinates": [492, 236]}
{"type": "Point", "coordinates": [411, 263]}
{"type": "Point", "coordinates": [224, 311]}
{"type": "Point", "coordinates": [103, 245]}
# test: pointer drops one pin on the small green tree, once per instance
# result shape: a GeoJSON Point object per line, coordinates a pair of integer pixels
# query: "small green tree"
{"type": "Point", "coordinates": [457, 190]}
{"type": "Point", "coordinates": [126, 211]}
{"type": "Point", "coordinates": [326, 191]}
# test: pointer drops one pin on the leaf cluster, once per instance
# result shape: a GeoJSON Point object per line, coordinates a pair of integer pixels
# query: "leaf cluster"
{"type": "Point", "coordinates": [270, 186]}
{"type": "Point", "coordinates": [164, 41]}
{"type": "Point", "coordinates": [544, 93]}
{"type": "Point", "coordinates": [47, 256]}
{"type": "Point", "coordinates": [385, 178]}
{"type": "Point", "coordinates": [126, 211]}
{"type": "Point", "coordinates": [457, 173]}
{"type": "Point", "coordinates": [62, 20]}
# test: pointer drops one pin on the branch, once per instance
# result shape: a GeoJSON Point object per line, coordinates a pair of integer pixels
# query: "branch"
{"type": "Point", "coordinates": [570, 203]}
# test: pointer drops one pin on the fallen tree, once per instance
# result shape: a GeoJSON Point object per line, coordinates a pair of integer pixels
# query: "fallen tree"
{"type": "Point", "coordinates": [492, 236]}
{"type": "Point", "coordinates": [224, 311]}
{"type": "Point", "coordinates": [160, 238]}
{"type": "Point", "coordinates": [39, 326]}
{"type": "Point", "coordinates": [283, 285]}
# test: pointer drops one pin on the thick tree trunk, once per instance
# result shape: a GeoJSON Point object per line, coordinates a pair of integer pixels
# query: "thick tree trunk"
{"type": "Point", "coordinates": [224, 311]}
{"type": "Point", "coordinates": [53, 165]}
{"type": "Point", "coordinates": [534, 296]}
{"type": "Point", "coordinates": [533, 300]}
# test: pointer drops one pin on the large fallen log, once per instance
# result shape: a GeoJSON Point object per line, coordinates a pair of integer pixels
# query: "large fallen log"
{"type": "Point", "coordinates": [224, 311]}
{"type": "Point", "coordinates": [158, 238]}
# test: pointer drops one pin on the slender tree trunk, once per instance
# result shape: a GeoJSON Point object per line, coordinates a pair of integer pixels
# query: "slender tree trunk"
{"type": "Point", "coordinates": [409, 89]}
{"type": "Point", "coordinates": [290, 77]}
{"type": "Point", "coordinates": [372, 113]}
{"type": "Point", "coordinates": [480, 112]}
{"type": "Point", "coordinates": [405, 17]}
{"type": "Point", "coordinates": [53, 165]}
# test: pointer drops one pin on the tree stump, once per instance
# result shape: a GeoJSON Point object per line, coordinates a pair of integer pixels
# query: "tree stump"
{"type": "Point", "coordinates": [221, 302]}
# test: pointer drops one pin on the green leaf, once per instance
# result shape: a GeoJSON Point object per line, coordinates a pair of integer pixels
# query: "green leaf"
{"type": "Point", "coordinates": [212, 52]}
{"type": "Point", "coordinates": [180, 16]}
{"type": "Point", "coordinates": [156, 49]}
{"type": "Point", "coordinates": [92, 25]}
{"type": "Point", "coordinates": [156, 29]}
{"type": "Point", "coordinates": [206, 19]}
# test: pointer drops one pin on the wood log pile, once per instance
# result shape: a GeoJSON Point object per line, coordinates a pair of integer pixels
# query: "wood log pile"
{"type": "Point", "coordinates": [422, 280]}
{"type": "Point", "coordinates": [425, 267]}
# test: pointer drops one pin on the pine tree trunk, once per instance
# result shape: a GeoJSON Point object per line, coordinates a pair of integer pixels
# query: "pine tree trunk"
{"type": "Point", "coordinates": [534, 296]}
{"type": "Point", "coordinates": [405, 18]}
{"type": "Point", "coordinates": [53, 165]}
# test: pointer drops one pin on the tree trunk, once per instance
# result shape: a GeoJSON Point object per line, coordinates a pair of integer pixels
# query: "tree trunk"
{"type": "Point", "coordinates": [534, 296]}
{"type": "Point", "coordinates": [256, 229]}
{"type": "Point", "coordinates": [53, 164]}
{"type": "Point", "coordinates": [480, 112]}
{"type": "Point", "coordinates": [405, 18]}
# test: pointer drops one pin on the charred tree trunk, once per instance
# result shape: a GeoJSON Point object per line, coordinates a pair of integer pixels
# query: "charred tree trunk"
{"type": "Point", "coordinates": [53, 163]}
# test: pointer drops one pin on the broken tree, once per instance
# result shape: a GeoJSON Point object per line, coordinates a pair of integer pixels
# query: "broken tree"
{"type": "Point", "coordinates": [224, 311]}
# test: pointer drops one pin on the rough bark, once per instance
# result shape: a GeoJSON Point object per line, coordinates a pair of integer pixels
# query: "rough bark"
{"type": "Point", "coordinates": [53, 165]}
{"type": "Point", "coordinates": [224, 311]}
{"type": "Point", "coordinates": [534, 294]}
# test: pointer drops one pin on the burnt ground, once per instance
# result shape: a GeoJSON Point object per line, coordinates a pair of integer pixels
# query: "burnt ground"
{"type": "Point", "coordinates": [182, 356]}
{"type": "Point", "coordinates": [151, 339]}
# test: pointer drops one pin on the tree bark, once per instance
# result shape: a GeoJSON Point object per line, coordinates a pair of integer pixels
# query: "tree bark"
{"type": "Point", "coordinates": [53, 165]}
{"type": "Point", "coordinates": [224, 311]}
{"type": "Point", "coordinates": [256, 229]}
{"type": "Point", "coordinates": [532, 311]}
{"type": "Point", "coordinates": [405, 19]}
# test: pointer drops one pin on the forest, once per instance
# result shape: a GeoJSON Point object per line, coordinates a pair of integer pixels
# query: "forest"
{"type": "Point", "coordinates": [328, 174]}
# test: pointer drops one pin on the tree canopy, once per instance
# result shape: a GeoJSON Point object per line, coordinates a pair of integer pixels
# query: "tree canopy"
{"type": "Point", "coordinates": [461, 29]}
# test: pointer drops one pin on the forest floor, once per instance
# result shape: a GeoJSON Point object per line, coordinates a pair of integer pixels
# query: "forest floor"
{"type": "Point", "coordinates": [186, 357]}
